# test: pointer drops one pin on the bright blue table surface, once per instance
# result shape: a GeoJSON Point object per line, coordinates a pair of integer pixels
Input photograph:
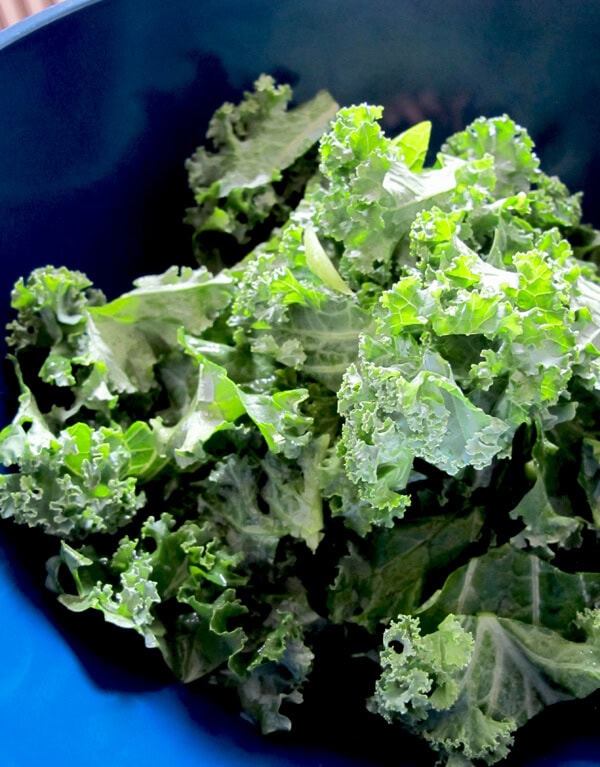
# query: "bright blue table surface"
{"type": "Point", "coordinates": [100, 103]}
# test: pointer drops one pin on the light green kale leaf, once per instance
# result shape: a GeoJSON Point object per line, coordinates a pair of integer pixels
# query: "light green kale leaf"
{"type": "Point", "coordinates": [51, 307]}
{"type": "Point", "coordinates": [505, 152]}
{"type": "Point", "coordinates": [78, 481]}
{"type": "Point", "coordinates": [372, 188]}
{"type": "Point", "coordinates": [128, 336]}
{"type": "Point", "coordinates": [129, 603]}
{"type": "Point", "coordinates": [520, 319]}
{"type": "Point", "coordinates": [160, 304]}
{"type": "Point", "coordinates": [104, 350]}
{"type": "Point", "coordinates": [255, 167]}
{"type": "Point", "coordinates": [291, 304]}
{"type": "Point", "coordinates": [209, 401]}
{"type": "Point", "coordinates": [391, 419]}
{"type": "Point", "coordinates": [515, 163]}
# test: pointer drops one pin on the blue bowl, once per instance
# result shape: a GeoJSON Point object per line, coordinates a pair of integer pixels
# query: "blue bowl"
{"type": "Point", "coordinates": [101, 102]}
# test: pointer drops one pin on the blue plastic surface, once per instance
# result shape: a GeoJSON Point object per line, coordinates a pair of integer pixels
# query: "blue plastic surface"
{"type": "Point", "coordinates": [101, 102]}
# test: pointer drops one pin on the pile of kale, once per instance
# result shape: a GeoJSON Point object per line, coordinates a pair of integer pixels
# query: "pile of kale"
{"type": "Point", "coordinates": [377, 410]}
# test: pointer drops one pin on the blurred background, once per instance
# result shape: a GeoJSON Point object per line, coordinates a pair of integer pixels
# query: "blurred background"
{"type": "Point", "coordinates": [12, 11]}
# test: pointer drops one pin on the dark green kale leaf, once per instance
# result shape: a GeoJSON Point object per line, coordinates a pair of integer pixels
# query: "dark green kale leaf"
{"type": "Point", "coordinates": [506, 636]}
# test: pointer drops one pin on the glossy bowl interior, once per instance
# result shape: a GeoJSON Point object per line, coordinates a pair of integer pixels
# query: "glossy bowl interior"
{"type": "Point", "coordinates": [101, 102]}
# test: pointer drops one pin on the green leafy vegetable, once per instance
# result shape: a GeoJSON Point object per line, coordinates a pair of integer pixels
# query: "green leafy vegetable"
{"type": "Point", "coordinates": [496, 658]}
{"type": "Point", "coordinates": [370, 412]}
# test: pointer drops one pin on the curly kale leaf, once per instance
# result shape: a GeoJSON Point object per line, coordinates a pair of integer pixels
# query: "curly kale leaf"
{"type": "Point", "coordinates": [390, 420]}
{"type": "Point", "coordinates": [467, 686]}
{"type": "Point", "coordinates": [103, 350]}
{"type": "Point", "coordinates": [512, 171]}
{"type": "Point", "coordinates": [463, 353]}
{"type": "Point", "coordinates": [506, 636]}
{"type": "Point", "coordinates": [212, 402]}
{"type": "Point", "coordinates": [128, 603]}
{"type": "Point", "coordinates": [371, 192]}
{"type": "Point", "coordinates": [282, 662]}
{"type": "Point", "coordinates": [258, 501]}
{"type": "Point", "coordinates": [51, 307]}
{"type": "Point", "coordinates": [292, 305]}
{"type": "Point", "coordinates": [186, 593]}
{"type": "Point", "coordinates": [187, 568]}
{"type": "Point", "coordinates": [255, 170]}
{"type": "Point", "coordinates": [79, 481]}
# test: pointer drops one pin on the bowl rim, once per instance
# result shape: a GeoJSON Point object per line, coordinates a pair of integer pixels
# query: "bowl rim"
{"type": "Point", "coordinates": [21, 29]}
